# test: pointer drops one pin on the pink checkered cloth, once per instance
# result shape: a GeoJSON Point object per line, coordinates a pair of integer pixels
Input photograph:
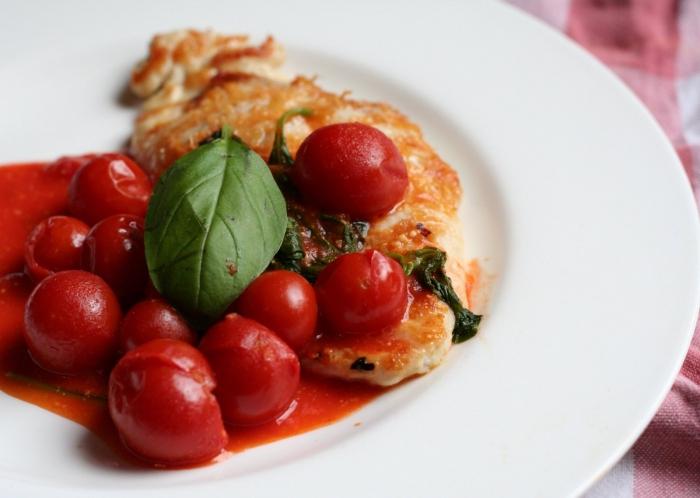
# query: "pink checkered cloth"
{"type": "Point", "coordinates": [654, 46]}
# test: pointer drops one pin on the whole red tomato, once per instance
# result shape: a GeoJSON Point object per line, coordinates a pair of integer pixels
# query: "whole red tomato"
{"type": "Point", "coordinates": [114, 250]}
{"type": "Point", "coordinates": [350, 168]}
{"type": "Point", "coordinates": [107, 185]}
{"type": "Point", "coordinates": [153, 319]}
{"type": "Point", "coordinates": [160, 399]}
{"type": "Point", "coordinates": [284, 302]}
{"type": "Point", "coordinates": [362, 292]}
{"type": "Point", "coordinates": [71, 322]}
{"type": "Point", "coordinates": [257, 373]}
{"type": "Point", "coordinates": [54, 245]}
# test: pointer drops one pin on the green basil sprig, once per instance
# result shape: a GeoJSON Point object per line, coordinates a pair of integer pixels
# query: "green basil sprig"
{"type": "Point", "coordinates": [428, 266]}
{"type": "Point", "coordinates": [215, 220]}
{"type": "Point", "coordinates": [280, 153]}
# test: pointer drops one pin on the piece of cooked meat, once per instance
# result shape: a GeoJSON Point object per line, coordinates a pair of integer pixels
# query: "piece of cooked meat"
{"type": "Point", "coordinates": [196, 82]}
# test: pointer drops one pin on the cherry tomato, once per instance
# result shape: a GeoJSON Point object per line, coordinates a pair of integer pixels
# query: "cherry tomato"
{"type": "Point", "coordinates": [257, 373]}
{"type": "Point", "coordinates": [113, 249]}
{"type": "Point", "coordinates": [350, 168]}
{"type": "Point", "coordinates": [284, 302]}
{"type": "Point", "coordinates": [53, 245]}
{"type": "Point", "coordinates": [160, 399]}
{"type": "Point", "coordinates": [66, 166]}
{"type": "Point", "coordinates": [71, 322]}
{"type": "Point", "coordinates": [107, 185]}
{"type": "Point", "coordinates": [153, 319]}
{"type": "Point", "coordinates": [362, 292]}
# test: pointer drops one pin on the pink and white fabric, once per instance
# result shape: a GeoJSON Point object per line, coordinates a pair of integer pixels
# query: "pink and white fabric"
{"type": "Point", "coordinates": [654, 46]}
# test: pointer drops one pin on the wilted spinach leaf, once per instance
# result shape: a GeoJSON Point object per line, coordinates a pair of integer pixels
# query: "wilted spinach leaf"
{"type": "Point", "coordinates": [428, 266]}
{"type": "Point", "coordinates": [328, 236]}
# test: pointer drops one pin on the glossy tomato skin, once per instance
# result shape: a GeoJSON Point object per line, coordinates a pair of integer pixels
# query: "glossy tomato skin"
{"type": "Point", "coordinates": [160, 399]}
{"type": "Point", "coordinates": [107, 185]}
{"type": "Point", "coordinates": [284, 302]}
{"type": "Point", "coordinates": [67, 166]}
{"type": "Point", "coordinates": [54, 245]}
{"type": "Point", "coordinates": [71, 322]}
{"type": "Point", "coordinates": [114, 250]}
{"type": "Point", "coordinates": [350, 168]}
{"type": "Point", "coordinates": [153, 319]}
{"type": "Point", "coordinates": [363, 292]}
{"type": "Point", "coordinates": [257, 373]}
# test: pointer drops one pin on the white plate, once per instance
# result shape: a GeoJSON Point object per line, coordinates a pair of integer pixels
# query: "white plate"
{"type": "Point", "coordinates": [572, 194]}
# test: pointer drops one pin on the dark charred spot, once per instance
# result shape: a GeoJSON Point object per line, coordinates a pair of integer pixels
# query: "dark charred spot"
{"type": "Point", "coordinates": [423, 229]}
{"type": "Point", "coordinates": [214, 136]}
{"type": "Point", "coordinates": [231, 268]}
{"type": "Point", "coordinates": [362, 364]}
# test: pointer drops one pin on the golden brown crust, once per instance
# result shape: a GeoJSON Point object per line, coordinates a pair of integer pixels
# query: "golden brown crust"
{"type": "Point", "coordinates": [173, 57]}
{"type": "Point", "coordinates": [415, 346]}
{"type": "Point", "coordinates": [250, 102]}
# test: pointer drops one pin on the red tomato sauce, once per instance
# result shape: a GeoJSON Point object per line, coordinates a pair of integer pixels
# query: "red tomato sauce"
{"type": "Point", "coordinates": [28, 194]}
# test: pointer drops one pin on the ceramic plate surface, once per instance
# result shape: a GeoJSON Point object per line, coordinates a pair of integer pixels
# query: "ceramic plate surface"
{"type": "Point", "coordinates": [573, 200]}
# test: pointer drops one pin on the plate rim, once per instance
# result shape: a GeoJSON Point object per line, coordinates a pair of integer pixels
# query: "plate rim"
{"type": "Point", "coordinates": [641, 425]}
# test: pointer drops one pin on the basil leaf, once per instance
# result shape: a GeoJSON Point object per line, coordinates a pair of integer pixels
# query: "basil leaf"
{"type": "Point", "coordinates": [428, 266]}
{"type": "Point", "coordinates": [280, 153]}
{"type": "Point", "coordinates": [214, 222]}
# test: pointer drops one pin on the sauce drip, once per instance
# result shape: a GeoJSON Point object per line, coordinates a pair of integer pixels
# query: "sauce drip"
{"type": "Point", "coordinates": [30, 193]}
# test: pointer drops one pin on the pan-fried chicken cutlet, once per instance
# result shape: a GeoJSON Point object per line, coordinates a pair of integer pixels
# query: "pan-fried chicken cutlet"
{"type": "Point", "coordinates": [194, 82]}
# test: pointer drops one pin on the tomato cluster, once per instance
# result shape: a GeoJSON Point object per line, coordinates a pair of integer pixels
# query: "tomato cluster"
{"type": "Point", "coordinates": [171, 391]}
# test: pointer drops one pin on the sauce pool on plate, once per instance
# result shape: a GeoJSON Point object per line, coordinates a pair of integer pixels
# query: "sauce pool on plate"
{"type": "Point", "coordinates": [28, 194]}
